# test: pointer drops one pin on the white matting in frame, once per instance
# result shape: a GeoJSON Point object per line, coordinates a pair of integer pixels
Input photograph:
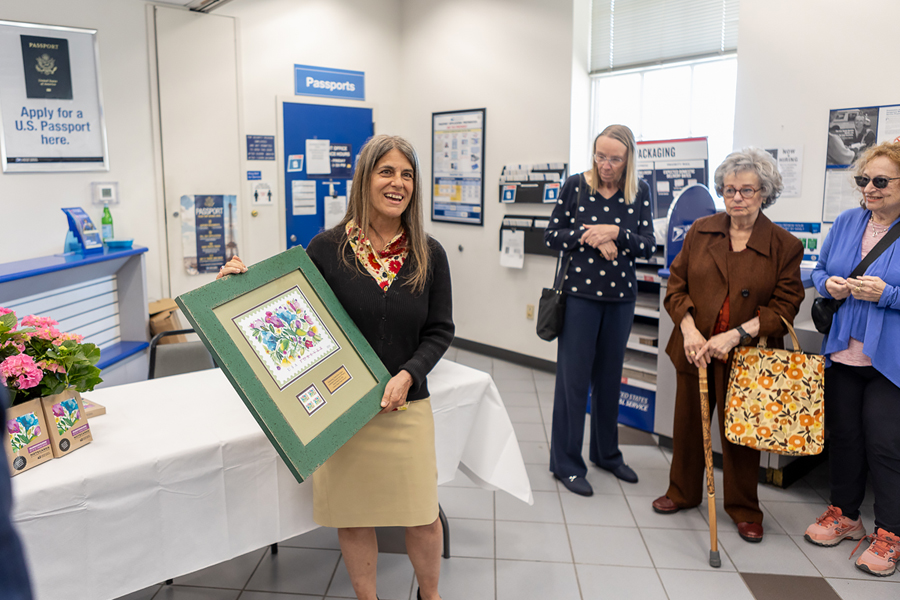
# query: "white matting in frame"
{"type": "Point", "coordinates": [51, 108]}
{"type": "Point", "coordinates": [287, 336]}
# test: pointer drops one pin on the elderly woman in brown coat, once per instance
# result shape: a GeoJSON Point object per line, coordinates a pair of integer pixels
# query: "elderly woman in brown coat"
{"type": "Point", "coordinates": [735, 277]}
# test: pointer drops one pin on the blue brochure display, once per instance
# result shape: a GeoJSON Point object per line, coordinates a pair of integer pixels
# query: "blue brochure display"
{"type": "Point", "coordinates": [83, 228]}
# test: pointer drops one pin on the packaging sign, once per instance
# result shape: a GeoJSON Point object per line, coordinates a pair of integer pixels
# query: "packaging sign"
{"type": "Point", "coordinates": [669, 166]}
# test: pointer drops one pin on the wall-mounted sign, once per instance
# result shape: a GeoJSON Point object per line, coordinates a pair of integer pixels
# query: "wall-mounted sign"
{"type": "Point", "coordinates": [51, 112]}
{"type": "Point", "coordinates": [260, 147]}
{"type": "Point", "coordinates": [329, 83]}
{"type": "Point", "coordinates": [669, 166]}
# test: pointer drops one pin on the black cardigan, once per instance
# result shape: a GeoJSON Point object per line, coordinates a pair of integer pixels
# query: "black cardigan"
{"type": "Point", "coordinates": [408, 331]}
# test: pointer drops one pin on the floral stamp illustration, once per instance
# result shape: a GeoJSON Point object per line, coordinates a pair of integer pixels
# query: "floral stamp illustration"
{"type": "Point", "coordinates": [66, 415]}
{"type": "Point", "coordinates": [23, 430]}
{"type": "Point", "coordinates": [311, 399]}
{"type": "Point", "coordinates": [287, 336]}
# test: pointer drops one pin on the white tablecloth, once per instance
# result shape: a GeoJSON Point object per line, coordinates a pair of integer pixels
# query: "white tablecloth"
{"type": "Point", "coordinates": [179, 477]}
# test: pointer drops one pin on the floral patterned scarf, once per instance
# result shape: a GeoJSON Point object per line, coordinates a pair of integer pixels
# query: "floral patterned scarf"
{"type": "Point", "coordinates": [383, 266]}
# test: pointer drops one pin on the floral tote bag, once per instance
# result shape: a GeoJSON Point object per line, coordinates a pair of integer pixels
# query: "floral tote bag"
{"type": "Point", "coordinates": [774, 399]}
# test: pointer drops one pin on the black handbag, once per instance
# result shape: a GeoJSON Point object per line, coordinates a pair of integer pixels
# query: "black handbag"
{"type": "Point", "coordinates": [552, 307]}
{"type": "Point", "coordinates": [823, 309]}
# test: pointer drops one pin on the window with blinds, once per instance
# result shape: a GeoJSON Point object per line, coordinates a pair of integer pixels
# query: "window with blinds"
{"type": "Point", "coordinates": [633, 33]}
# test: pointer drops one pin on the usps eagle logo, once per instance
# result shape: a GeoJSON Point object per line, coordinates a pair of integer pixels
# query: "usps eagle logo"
{"type": "Point", "coordinates": [46, 65]}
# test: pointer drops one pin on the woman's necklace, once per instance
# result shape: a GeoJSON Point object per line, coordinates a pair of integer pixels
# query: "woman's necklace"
{"type": "Point", "coordinates": [875, 231]}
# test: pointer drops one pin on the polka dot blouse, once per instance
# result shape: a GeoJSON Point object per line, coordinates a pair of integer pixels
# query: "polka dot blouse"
{"type": "Point", "coordinates": [589, 274]}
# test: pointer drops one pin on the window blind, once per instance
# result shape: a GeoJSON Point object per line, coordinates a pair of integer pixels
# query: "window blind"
{"type": "Point", "coordinates": [632, 33]}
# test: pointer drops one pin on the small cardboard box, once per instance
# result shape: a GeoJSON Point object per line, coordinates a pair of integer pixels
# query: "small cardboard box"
{"type": "Point", "coordinates": [164, 317]}
{"type": "Point", "coordinates": [67, 422]}
{"type": "Point", "coordinates": [92, 409]}
{"type": "Point", "coordinates": [26, 436]}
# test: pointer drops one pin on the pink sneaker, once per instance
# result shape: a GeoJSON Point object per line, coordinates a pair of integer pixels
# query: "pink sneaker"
{"type": "Point", "coordinates": [833, 527]}
{"type": "Point", "coordinates": [880, 559]}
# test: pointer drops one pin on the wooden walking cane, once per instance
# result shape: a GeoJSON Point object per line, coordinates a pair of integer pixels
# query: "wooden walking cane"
{"type": "Point", "coordinates": [714, 559]}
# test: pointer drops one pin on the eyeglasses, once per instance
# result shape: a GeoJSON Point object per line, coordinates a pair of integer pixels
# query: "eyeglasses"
{"type": "Point", "coordinates": [614, 161]}
{"type": "Point", "coordinates": [745, 192]}
{"type": "Point", "coordinates": [879, 181]}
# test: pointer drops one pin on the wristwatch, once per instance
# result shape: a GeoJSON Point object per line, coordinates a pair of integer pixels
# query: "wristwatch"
{"type": "Point", "coordinates": [745, 337]}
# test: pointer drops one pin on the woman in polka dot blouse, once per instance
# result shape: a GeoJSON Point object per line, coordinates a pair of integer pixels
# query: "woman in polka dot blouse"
{"type": "Point", "coordinates": [605, 220]}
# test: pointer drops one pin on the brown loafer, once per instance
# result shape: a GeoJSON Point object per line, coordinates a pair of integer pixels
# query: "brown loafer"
{"type": "Point", "coordinates": [664, 506]}
{"type": "Point", "coordinates": [751, 532]}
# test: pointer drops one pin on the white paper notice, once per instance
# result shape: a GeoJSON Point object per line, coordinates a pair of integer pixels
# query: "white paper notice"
{"type": "Point", "coordinates": [303, 194]}
{"type": "Point", "coordinates": [262, 193]}
{"type": "Point", "coordinates": [335, 208]}
{"type": "Point", "coordinates": [512, 250]}
{"type": "Point", "coordinates": [840, 194]}
{"type": "Point", "coordinates": [318, 157]}
{"type": "Point", "coordinates": [790, 165]}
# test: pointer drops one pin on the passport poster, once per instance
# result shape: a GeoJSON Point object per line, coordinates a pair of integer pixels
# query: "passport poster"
{"type": "Point", "coordinates": [209, 231]}
{"type": "Point", "coordinates": [46, 67]}
{"type": "Point", "coordinates": [51, 109]}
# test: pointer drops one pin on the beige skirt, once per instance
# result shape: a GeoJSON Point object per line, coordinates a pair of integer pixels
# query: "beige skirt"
{"type": "Point", "coordinates": [385, 476]}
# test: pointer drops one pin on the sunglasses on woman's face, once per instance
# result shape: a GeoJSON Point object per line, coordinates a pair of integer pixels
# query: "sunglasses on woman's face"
{"type": "Point", "coordinates": [879, 182]}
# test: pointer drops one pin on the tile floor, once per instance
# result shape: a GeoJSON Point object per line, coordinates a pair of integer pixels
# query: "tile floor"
{"type": "Point", "coordinates": [567, 547]}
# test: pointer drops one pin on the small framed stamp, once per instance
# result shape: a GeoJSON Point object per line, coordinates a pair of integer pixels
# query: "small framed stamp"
{"type": "Point", "coordinates": [311, 399]}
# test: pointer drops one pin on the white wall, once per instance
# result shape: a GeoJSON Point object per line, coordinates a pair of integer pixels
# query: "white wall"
{"type": "Point", "coordinates": [797, 61]}
{"type": "Point", "coordinates": [33, 224]}
{"type": "Point", "coordinates": [514, 58]}
{"type": "Point", "coordinates": [274, 35]}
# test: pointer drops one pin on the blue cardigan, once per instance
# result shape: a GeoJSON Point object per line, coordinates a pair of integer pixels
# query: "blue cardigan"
{"type": "Point", "coordinates": [876, 325]}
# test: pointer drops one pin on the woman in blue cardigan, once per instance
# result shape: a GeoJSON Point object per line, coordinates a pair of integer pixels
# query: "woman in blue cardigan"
{"type": "Point", "coordinates": [862, 397]}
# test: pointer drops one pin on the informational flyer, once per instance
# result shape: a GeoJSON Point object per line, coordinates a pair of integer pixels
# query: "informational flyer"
{"type": "Point", "coordinates": [318, 157]}
{"type": "Point", "coordinates": [790, 165]}
{"type": "Point", "coordinates": [335, 209]}
{"type": "Point", "coordinates": [303, 194]}
{"type": "Point", "coordinates": [51, 111]}
{"type": "Point", "coordinates": [850, 132]}
{"type": "Point", "coordinates": [209, 231]}
{"type": "Point", "coordinates": [457, 193]}
{"type": "Point", "coordinates": [669, 166]}
{"type": "Point", "coordinates": [512, 248]}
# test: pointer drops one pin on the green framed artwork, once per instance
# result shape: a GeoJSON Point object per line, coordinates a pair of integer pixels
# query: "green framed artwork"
{"type": "Point", "coordinates": [292, 353]}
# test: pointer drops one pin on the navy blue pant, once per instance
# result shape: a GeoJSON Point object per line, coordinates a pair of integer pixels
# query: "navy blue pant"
{"type": "Point", "coordinates": [589, 359]}
{"type": "Point", "coordinates": [14, 583]}
{"type": "Point", "coordinates": [862, 422]}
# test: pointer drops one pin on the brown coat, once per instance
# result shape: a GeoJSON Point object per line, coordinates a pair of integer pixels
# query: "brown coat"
{"type": "Point", "coordinates": [764, 278]}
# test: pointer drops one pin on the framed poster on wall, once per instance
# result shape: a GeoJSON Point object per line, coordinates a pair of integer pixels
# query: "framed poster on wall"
{"type": "Point", "coordinates": [51, 109]}
{"type": "Point", "coordinates": [457, 166]}
{"type": "Point", "coordinates": [293, 355]}
{"type": "Point", "coordinates": [851, 131]}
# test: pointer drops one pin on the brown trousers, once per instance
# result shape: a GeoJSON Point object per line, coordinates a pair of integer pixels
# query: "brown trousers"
{"type": "Point", "coordinates": [740, 465]}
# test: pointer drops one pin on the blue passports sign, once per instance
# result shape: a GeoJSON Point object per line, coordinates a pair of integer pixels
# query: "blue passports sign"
{"type": "Point", "coordinates": [330, 83]}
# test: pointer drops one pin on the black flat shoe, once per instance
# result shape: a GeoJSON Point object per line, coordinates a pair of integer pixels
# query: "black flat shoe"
{"type": "Point", "coordinates": [576, 485]}
{"type": "Point", "coordinates": [625, 473]}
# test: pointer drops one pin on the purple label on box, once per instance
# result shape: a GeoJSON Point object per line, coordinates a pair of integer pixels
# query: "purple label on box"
{"type": "Point", "coordinates": [80, 430]}
{"type": "Point", "coordinates": [38, 446]}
